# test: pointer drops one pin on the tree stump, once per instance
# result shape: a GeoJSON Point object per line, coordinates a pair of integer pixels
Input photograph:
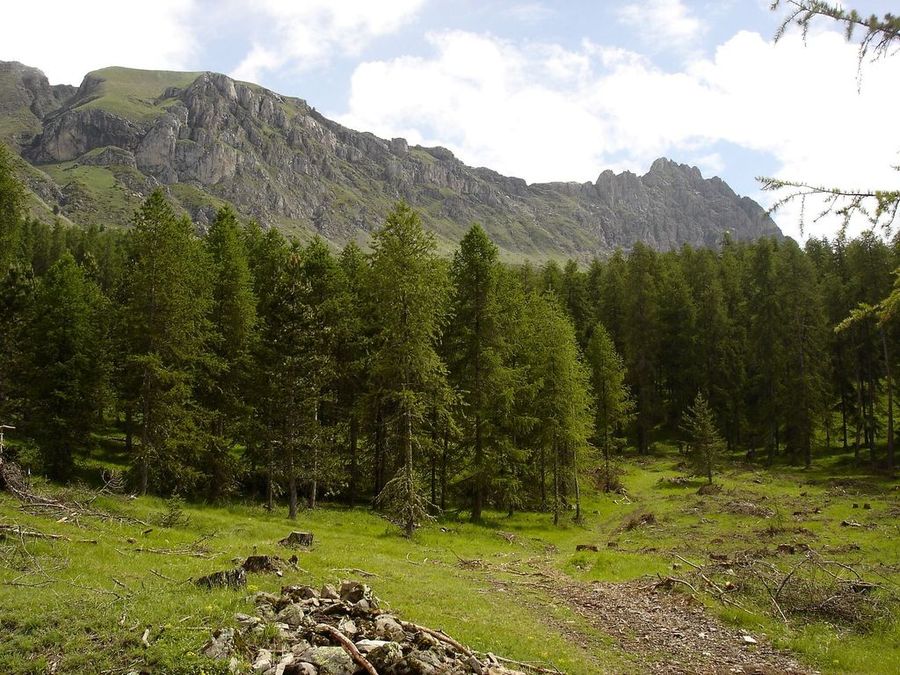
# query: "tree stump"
{"type": "Point", "coordinates": [235, 578]}
{"type": "Point", "coordinates": [297, 540]}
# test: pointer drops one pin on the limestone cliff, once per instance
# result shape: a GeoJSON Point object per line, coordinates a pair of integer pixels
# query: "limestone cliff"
{"type": "Point", "coordinates": [209, 139]}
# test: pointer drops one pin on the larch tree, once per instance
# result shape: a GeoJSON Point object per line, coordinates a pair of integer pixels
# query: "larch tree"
{"type": "Point", "coordinates": [409, 290]}
{"type": "Point", "coordinates": [233, 319]}
{"type": "Point", "coordinates": [168, 298]}
{"type": "Point", "coordinates": [613, 406]}
{"type": "Point", "coordinates": [66, 371]}
{"type": "Point", "coordinates": [476, 347]}
{"type": "Point", "coordinates": [704, 444]}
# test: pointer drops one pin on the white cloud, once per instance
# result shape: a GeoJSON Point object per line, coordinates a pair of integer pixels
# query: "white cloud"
{"type": "Point", "coordinates": [663, 23]}
{"type": "Point", "coordinates": [547, 113]}
{"type": "Point", "coordinates": [305, 33]}
{"type": "Point", "coordinates": [77, 37]}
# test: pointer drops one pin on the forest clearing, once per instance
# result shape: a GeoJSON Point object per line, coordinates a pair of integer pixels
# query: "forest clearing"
{"type": "Point", "coordinates": [513, 586]}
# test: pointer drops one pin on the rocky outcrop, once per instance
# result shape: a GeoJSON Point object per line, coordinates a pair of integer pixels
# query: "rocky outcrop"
{"type": "Point", "coordinates": [280, 161]}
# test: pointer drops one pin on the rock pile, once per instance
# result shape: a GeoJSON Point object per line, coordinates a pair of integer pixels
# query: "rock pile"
{"type": "Point", "coordinates": [341, 631]}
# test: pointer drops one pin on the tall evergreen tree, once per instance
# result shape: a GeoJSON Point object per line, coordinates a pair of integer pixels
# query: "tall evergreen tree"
{"type": "Point", "coordinates": [409, 290]}
{"type": "Point", "coordinates": [613, 405]}
{"type": "Point", "coordinates": [66, 367]}
{"type": "Point", "coordinates": [476, 349]}
{"type": "Point", "coordinates": [233, 319]}
{"type": "Point", "coordinates": [167, 333]}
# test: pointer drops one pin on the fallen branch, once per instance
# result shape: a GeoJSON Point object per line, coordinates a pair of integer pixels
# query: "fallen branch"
{"type": "Point", "coordinates": [353, 570]}
{"type": "Point", "coordinates": [348, 646]}
{"type": "Point", "coordinates": [15, 529]}
{"type": "Point", "coordinates": [523, 664]}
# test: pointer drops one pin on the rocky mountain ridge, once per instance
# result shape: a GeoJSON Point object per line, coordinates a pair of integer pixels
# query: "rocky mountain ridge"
{"type": "Point", "coordinates": [97, 150]}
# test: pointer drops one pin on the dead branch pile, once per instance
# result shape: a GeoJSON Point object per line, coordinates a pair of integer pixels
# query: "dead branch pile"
{"type": "Point", "coordinates": [811, 588]}
{"type": "Point", "coordinates": [13, 480]}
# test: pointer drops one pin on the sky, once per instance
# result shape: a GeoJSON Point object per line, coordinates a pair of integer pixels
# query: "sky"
{"type": "Point", "coordinates": [541, 90]}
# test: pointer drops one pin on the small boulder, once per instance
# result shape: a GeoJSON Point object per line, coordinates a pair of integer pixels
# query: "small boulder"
{"type": "Point", "coordinates": [329, 660]}
{"type": "Point", "coordinates": [329, 592]}
{"type": "Point", "coordinates": [385, 656]}
{"type": "Point", "coordinates": [293, 615]}
{"type": "Point", "coordinates": [220, 645]}
{"type": "Point", "coordinates": [366, 646]}
{"type": "Point", "coordinates": [353, 591]}
{"type": "Point", "coordinates": [263, 661]}
{"type": "Point", "coordinates": [389, 628]}
{"type": "Point", "coordinates": [588, 547]}
{"type": "Point", "coordinates": [348, 627]}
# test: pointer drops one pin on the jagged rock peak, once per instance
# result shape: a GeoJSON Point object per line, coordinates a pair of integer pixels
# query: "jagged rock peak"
{"type": "Point", "coordinates": [212, 140]}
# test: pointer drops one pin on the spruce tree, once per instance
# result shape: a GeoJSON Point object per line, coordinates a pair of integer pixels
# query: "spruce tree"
{"type": "Point", "coordinates": [233, 319]}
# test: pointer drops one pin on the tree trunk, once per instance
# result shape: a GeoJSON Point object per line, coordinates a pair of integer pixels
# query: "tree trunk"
{"type": "Point", "coordinates": [478, 497]}
{"type": "Point", "coordinates": [444, 469]}
{"type": "Point", "coordinates": [555, 482]}
{"type": "Point", "coordinates": [890, 401]}
{"type": "Point", "coordinates": [354, 468]}
{"type": "Point", "coordinates": [129, 428]}
{"type": "Point", "coordinates": [408, 459]}
{"type": "Point", "coordinates": [577, 489]}
{"type": "Point", "coordinates": [543, 460]}
{"type": "Point", "coordinates": [292, 489]}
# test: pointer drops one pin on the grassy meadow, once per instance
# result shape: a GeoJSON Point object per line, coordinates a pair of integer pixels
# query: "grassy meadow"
{"type": "Point", "coordinates": [78, 606]}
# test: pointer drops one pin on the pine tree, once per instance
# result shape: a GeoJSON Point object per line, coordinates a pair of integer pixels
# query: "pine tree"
{"type": "Point", "coordinates": [704, 444]}
{"type": "Point", "coordinates": [409, 300]}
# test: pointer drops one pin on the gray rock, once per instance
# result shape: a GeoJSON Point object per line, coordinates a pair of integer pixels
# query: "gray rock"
{"type": "Point", "coordinates": [385, 656]}
{"type": "Point", "coordinates": [368, 645]}
{"type": "Point", "coordinates": [263, 661]}
{"type": "Point", "coordinates": [421, 663]}
{"type": "Point", "coordinates": [293, 615]}
{"type": "Point", "coordinates": [353, 591]}
{"type": "Point", "coordinates": [387, 627]}
{"type": "Point", "coordinates": [329, 660]}
{"type": "Point", "coordinates": [220, 645]}
{"type": "Point", "coordinates": [329, 592]}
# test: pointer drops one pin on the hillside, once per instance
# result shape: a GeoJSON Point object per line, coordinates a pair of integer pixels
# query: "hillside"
{"type": "Point", "coordinates": [99, 150]}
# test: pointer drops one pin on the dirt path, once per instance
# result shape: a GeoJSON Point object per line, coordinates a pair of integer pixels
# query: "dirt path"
{"type": "Point", "coordinates": [662, 631]}
{"type": "Point", "coordinates": [672, 633]}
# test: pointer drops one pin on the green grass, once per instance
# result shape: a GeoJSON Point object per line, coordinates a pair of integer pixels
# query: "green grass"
{"type": "Point", "coordinates": [132, 93]}
{"type": "Point", "coordinates": [86, 605]}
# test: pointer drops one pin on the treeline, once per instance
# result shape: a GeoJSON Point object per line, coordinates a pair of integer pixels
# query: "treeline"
{"type": "Point", "coordinates": [242, 362]}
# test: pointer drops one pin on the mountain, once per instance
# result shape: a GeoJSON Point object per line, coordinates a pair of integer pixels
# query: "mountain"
{"type": "Point", "coordinates": [94, 152]}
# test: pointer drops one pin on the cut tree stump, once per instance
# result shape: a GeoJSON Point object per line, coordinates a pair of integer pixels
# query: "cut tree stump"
{"type": "Point", "coordinates": [262, 564]}
{"type": "Point", "coordinates": [297, 540]}
{"type": "Point", "coordinates": [236, 578]}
